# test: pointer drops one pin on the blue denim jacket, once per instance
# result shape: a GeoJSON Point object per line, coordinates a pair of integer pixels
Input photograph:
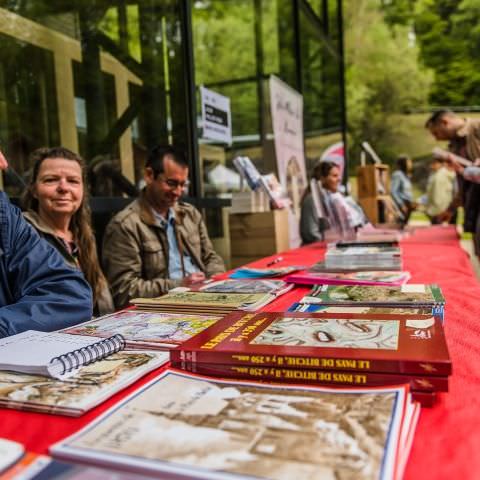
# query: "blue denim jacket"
{"type": "Point", "coordinates": [38, 291]}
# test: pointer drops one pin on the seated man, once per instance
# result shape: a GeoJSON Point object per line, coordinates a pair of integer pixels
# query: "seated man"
{"type": "Point", "coordinates": [157, 242]}
{"type": "Point", "coordinates": [38, 291]}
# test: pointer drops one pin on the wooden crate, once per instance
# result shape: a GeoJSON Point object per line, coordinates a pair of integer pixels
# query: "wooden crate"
{"type": "Point", "coordinates": [257, 235]}
{"type": "Point", "coordinates": [373, 180]}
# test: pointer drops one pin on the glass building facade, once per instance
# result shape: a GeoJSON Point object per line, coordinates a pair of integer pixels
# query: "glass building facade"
{"type": "Point", "coordinates": [112, 78]}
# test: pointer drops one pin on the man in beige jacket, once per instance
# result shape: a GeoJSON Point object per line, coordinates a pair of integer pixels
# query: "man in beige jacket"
{"type": "Point", "coordinates": [157, 242]}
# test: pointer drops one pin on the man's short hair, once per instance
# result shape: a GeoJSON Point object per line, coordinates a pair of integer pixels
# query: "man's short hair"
{"type": "Point", "coordinates": [436, 117]}
{"type": "Point", "coordinates": [155, 159]}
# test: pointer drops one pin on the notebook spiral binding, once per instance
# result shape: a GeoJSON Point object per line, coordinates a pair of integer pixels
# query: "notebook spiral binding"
{"type": "Point", "coordinates": [92, 353]}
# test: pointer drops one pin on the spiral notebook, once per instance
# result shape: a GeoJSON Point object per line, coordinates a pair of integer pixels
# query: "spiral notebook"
{"type": "Point", "coordinates": [54, 354]}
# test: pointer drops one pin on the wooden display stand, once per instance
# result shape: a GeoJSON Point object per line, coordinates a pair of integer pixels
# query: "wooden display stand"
{"type": "Point", "coordinates": [373, 182]}
{"type": "Point", "coordinates": [257, 235]}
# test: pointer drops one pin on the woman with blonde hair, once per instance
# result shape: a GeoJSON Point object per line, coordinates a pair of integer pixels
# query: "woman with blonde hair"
{"type": "Point", "coordinates": [56, 204]}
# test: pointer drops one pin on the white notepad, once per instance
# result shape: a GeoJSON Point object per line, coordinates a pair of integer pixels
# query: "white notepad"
{"type": "Point", "coordinates": [54, 354]}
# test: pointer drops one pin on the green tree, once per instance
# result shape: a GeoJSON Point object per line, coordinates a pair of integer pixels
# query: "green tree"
{"type": "Point", "coordinates": [384, 77]}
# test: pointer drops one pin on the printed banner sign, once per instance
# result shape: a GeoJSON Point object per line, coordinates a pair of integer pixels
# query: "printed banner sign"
{"type": "Point", "coordinates": [216, 117]}
{"type": "Point", "coordinates": [287, 120]}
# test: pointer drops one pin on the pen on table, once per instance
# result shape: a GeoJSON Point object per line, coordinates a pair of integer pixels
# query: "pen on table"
{"type": "Point", "coordinates": [273, 262]}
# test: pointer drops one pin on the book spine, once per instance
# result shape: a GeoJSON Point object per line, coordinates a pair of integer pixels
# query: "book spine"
{"type": "Point", "coordinates": [410, 367]}
{"type": "Point", "coordinates": [318, 377]}
{"type": "Point", "coordinates": [85, 356]}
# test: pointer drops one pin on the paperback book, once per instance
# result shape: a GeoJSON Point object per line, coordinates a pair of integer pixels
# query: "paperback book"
{"type": "Point", "coordinates": [149, 330]}
{"type": "Point", "coordinates": [202, 303]}
{"type": "Point", "coordinates": [410, 295]}
{"type": "Point", "coordinates": [33, 466]}
{"type": "Point", "coordinates": [234, 429]}
{"type": "Point", "coordinates": [351, 278]}
{"type": "Point", "coordinates": [412, 345]}
{"type": "Point", "coordinates": [249, 272]}
{"type": "Point", "coordinates": [353, 267]}
{"type": "Point", "coordinates": [309, 307]}
{"type": "Point", "coordinates": [91, 384]}
{"type": "Point", "coordinates": [273, 287]}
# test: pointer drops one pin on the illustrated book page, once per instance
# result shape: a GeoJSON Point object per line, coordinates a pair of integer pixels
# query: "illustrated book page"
{"type": "Point", "coordinates": [146, 329]}
{"type": "Point", "coordinates": [91, 384]}
{"type": "Point", "coordinates": [203, 428]}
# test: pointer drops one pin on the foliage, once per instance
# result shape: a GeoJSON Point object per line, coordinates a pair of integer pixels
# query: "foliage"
{"type": "Point", "coordinates": [383, 76]}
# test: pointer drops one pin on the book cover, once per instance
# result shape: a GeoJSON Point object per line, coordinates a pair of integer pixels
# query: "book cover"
{"type": "Point", "coordinates": [428, 383]}
{"type": "Point", "coordinates": [146, 329]}
{"type": "Point", "coordinates": [199, 427]}
{"type": "Point", "coordinates": [405, 295]}
{"type": "Point", "coordinates": [249, 272]}
{"type": "Point", "coordinates": [350, 278]}
{"type": "Point", "coordinates": [315, 307]}
{"type": "Point", "coordinates": [274, 287]}
{"type": "Point", "coordinates": [89, 386]}
{"type": "Point", "coordinates": [357, 342]}
{"type": "Point", "coordinates": [197, 301]}
{"type": "Point", "coordinates": [321, 267]}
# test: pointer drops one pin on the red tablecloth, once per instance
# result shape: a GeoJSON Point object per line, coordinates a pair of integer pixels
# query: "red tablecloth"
{"type": "Point", "coordinates": [447, 436]}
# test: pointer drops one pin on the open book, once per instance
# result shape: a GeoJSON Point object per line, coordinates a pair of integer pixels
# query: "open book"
{"type": "Point", "coordinates": [54, 354]}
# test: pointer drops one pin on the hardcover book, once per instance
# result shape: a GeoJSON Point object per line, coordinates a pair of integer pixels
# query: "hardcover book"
{"type": "Point", "coordinates": [428, 383]}
{"type": "Point", "coordinates": [91, 384]}
{"type": "Point", "coordinates": [150, 330]}
{"type": "Point", "coordinates": [410, 295]}
{"type": "Point", "coordinates": [199, 427]}
{"type": "Point", "coordinates": [346, 342]}
{"type": "Point", "coordinates": [351, 278]}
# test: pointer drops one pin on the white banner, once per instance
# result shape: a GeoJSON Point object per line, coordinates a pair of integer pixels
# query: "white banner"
{"type": "Point", "coordinates": [216, 117]}
{"type": "Point", "coordinates": [287, 120]}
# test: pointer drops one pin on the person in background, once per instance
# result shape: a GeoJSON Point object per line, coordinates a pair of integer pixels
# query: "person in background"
{"type": "Point", "coordinates": [56, 204]}
{"type": "Point", "coordinates": [401, 187]}
{"type": "Point", "coordinates": [341, 210]}
{"type": "Point", "coordinates": [158, 242]}
{"type": "Point", "coordinates": [463, 135]}
{"type": "Point", "coordinates": [38, 291]}
{"type": "Point", "coordinates": [440, 190]}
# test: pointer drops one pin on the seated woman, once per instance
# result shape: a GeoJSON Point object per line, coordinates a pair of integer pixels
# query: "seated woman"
{"type": "Point", "coordinates": [57, 206]}
{"type": "Point", "coordinates": [339, 212]}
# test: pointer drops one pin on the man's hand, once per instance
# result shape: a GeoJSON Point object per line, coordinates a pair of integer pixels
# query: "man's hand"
{"type": "Point", "coordinates": [445, 216]}
{"type": "Point", "coordinates": [193, 278]}
{"type": "Point", "coordinates": [3, 162]}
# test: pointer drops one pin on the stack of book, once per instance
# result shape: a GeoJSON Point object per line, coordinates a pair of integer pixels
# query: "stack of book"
{"type": "Point", "coordinates": [404, 296]}
{"type": "Point", "coordinates": [201, 303]}
{"type": "Point", "coordinates": [323, 349]}
{"type": "Point", "coordinates": [364, 257]}
{"type": "Point", "coordinates": [189, 426]}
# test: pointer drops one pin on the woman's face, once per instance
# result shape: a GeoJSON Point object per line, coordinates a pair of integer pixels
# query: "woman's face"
{"type": "Point", "coordinates": [59, 186]}
{"type": "Point", "coordinates": [331, 181]}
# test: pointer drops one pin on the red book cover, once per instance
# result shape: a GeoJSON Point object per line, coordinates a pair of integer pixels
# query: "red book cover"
{"type": "Point", "coordinates": [328, 378]}
{"type": "Point", "coordinates": [324, 341]}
